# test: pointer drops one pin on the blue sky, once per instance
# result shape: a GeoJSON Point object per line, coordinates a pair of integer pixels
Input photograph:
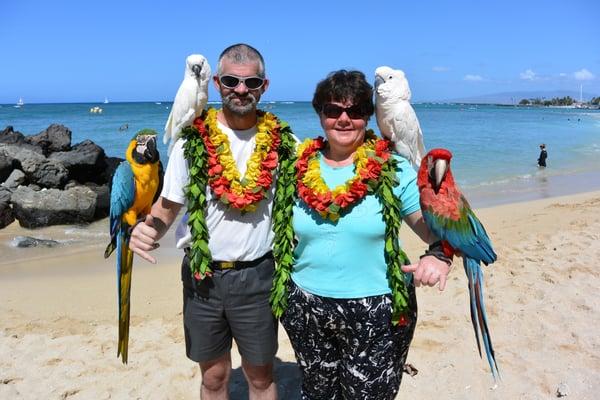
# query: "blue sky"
{"type": "Point", "coordinates": [80, 51]}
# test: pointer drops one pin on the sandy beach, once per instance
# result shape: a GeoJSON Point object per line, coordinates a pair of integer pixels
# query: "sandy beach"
{"type": "Point", "coordinates": [58, 333]}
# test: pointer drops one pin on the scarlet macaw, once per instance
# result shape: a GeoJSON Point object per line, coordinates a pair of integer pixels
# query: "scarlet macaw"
{"type": "Point", "coordinates": [134, 186]}
{"type": "Point", "coordinates": [449, 216]}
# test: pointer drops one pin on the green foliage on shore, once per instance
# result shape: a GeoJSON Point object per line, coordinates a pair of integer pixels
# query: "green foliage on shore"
{"type": "Point", "coordinates": [556, 101]}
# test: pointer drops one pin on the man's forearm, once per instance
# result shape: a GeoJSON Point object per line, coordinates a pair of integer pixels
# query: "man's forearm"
{"type": "Point", "coordinates": [164, 213]}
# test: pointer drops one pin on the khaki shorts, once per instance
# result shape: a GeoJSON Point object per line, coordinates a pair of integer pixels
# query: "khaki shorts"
{"type": "Point", "coordinates": [232, 304]}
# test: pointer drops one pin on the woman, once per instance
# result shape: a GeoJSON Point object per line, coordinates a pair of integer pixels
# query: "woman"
{"type": "Point", "coordinates": [341, 309]}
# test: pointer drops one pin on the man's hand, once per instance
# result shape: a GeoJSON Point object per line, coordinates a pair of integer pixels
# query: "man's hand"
{"type": "Point", "coordinates": [429, 271]}
{"type": "Point", "coordinates": [144, 238]}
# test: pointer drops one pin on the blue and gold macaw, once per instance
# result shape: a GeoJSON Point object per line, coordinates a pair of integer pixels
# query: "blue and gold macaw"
{"type": "Point", "coordinates": [134, 187]}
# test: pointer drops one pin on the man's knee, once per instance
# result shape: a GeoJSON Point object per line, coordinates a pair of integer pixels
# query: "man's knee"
{"type": "Point", "coordinates": [215, 374]}
{"type": "Point", "coordinates": [259, 377]}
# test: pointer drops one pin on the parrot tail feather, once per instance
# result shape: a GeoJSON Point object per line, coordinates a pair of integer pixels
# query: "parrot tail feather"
{"type": "Point", "coordinates": [124, 272]}
{"type": "Point", "coordinates": [478, 314]}
{"type": "Point", "coordinates": [109, 249]}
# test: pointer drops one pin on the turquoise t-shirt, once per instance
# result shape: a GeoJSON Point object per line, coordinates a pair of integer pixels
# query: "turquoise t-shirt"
{"type": "Point", "coordinates": [346, 259]}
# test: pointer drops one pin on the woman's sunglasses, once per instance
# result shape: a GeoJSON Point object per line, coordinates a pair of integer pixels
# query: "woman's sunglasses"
{"type": "Point", "coordinates": [334, 111]}
{"type": "Point", "coordinates": [232, 81]}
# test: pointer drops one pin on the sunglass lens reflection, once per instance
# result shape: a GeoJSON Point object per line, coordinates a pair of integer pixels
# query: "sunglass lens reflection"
{"type": "Point", "coordinates": [232, 82]}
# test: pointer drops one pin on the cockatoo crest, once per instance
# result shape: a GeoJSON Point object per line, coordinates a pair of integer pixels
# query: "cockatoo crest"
{"type": "Point", "coordinates": [396, 118]}
{"type": "Point", "coordinates": [191, 98]}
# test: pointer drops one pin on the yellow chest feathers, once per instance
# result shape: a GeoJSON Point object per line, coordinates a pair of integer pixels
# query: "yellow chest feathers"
{"type": "Point", "coordinates": [146, 183]}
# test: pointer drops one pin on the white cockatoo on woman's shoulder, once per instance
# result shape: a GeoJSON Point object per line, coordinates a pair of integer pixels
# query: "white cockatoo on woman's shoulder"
{"type": "Point", "coordinates": [191, 98]}
{"type": "Point", "coordinates": [396, 118]}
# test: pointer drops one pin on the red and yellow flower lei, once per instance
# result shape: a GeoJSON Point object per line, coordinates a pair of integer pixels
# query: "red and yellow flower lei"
{"type": "Point", "coordinates": [312, 189]}
{"type": "Point", "coordinates": [223, 175]}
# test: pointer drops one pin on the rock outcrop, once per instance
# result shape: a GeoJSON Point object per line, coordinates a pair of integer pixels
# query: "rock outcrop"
{"type": "Point", "coordinates": [44, 180]}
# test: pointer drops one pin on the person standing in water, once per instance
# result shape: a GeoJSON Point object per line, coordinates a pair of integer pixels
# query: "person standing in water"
{"type": "Point", "coordinates": [543, 155]}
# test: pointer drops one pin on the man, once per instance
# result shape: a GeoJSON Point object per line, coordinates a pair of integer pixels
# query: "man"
{"type": "Point", "coordinates": [230, 298]}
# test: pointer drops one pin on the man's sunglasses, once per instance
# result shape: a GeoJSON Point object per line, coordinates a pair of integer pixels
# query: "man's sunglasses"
{"type": "Point", "coordinates": [334, 111]}
{"type": "Point", "coordinates": [232, 81]}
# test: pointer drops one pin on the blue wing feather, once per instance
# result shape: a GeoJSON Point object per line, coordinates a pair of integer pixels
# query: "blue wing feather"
{"type": "Point", "coordinates": [122, 195]}
{"type": "Point", "coordinates": [473, 241]}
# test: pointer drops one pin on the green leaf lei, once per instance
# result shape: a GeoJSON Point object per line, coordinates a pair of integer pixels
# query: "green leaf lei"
{"type": "Point", "coordinates": [195, 193]}
{"type": "Point", "coordinates": [196, 155]}
{"type": "Point", "coordinates": [283, 245]}
{"type": "Point", "coordinates": [395, 257]}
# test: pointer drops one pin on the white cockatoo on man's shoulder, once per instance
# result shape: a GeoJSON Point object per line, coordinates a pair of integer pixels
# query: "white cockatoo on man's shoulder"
{"type": "Point", "coordinates": [191, 98]}
{"type": "Point", "coordinates": [396, 118]}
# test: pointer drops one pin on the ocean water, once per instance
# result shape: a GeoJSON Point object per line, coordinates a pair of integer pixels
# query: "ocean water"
{"type": "Point", "coordinates": [495, 147]}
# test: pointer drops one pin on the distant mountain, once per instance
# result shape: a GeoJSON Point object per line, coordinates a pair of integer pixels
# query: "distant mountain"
{"type": "Point", "coordinates": [515, 97]}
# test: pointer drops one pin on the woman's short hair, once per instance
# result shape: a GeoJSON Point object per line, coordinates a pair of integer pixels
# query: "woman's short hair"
{"type": "Point", "coordinates": [342, 86]}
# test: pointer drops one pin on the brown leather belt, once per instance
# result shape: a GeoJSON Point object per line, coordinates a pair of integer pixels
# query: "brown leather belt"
{"type": "Point", "coordinates": [225, 265]}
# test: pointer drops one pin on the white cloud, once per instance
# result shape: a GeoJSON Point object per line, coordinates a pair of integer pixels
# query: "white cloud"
{"type": "Point", "coordinates": [473, 78]}
{"type": "Point", "coordinates": [528, 75]}
{"type": "Point", "coordinates": [440, 69]}
{"type": "Point", "coordinates": [583, 75]}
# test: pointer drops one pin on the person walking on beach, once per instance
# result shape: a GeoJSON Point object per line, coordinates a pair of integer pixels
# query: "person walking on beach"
{"type": "Point", "coordinates": [223, 171]}
{"type": "Point", "coordinates": [543, 155]}
{"type": "Point", "coordinates": [351, 313]}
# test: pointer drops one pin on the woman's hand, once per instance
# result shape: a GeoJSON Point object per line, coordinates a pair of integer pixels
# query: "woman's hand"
{"type": "Point", "coordinates": [429, 271]}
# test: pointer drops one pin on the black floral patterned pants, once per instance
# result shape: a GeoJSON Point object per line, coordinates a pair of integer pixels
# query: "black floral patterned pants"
{"type": "Point", "coordinates": [348, 348]}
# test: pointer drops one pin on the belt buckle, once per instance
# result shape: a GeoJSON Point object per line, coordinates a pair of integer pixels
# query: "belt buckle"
{"type": "Point", "coordinates": [226, 264]}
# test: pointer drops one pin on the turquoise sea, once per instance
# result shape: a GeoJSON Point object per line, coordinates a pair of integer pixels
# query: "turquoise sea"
{"type": "Point", "coordinates": [495, 147]}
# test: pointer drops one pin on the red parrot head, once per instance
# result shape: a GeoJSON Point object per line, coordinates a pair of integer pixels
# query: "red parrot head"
{"type": "Point", "coordinates": [434, 169]}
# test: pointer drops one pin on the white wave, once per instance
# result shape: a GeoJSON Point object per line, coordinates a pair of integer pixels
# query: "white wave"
{"type": "Point", "coordinates": [85, 233]}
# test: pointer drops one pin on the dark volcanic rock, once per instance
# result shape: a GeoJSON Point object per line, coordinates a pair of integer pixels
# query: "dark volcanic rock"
{"type": "Point", "coordinates": [6, 165]}
{"type": "Point", "coordinates": [16, 178]}
{"type": "Point", "coordinates": [102, 197]}
{"type": "Point", "coordinates": [85, 162]}
{"type": "Point", "coordinates": [54, 138]}
{"type": "Point", "coordinates": [28, 241]}
{"type": "Point", "coordinates": [48, 181]}
{"type": "Point", "coordinates": [53, 207]}
{"type": "Point", "coordinates": [46, 173]}
{"type": "Point", "coordinates": [9, 136]}
{"type": "Point", "coordinates": [6, 214]}
{"type": "Point", "coordinates": [19, 154]}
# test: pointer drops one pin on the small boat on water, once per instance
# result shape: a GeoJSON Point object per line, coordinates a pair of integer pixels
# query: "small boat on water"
{"type": "Point", "coordinates": [96, 110]}
{"type": "Point", "coordinates": [106, 100]}
{"type": "Point", "coordinates": [20, 103]}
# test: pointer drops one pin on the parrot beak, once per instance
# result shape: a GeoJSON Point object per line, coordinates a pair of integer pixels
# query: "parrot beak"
{"type": "Point", "coordinates": [439, 171]}
{"type": "Point", "coordinates": [146, 149]}
{"type": "Point", "coordinates": [197, 69]}
{"type": "Point", "coordinates": [151, 152]}
{"type": "Point", "coordinates": [378, 81]}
